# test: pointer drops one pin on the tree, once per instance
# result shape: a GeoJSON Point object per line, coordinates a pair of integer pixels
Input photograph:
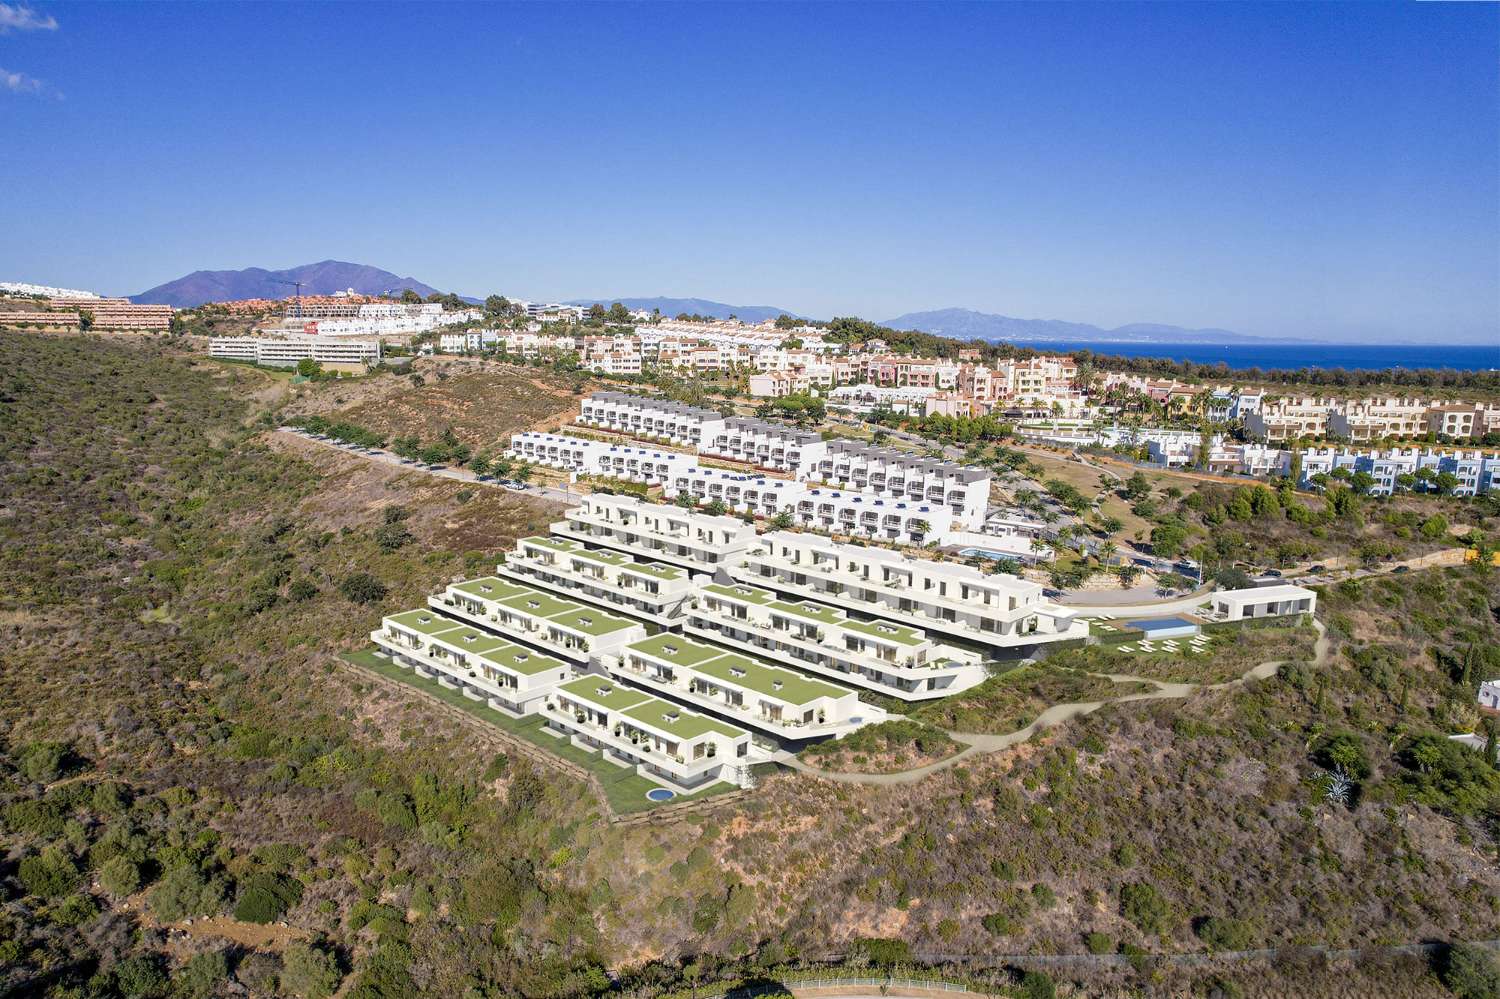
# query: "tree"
{"type": "Point", "coordinates": [618, 313]}
{"type": "Point", "coordinates": [409, 297]}
{"type": "Point", "coordinates": [85, 319]}
{"type": "Point", "coordinates": [362, 588]}
{"type": "Point", "coordinates": [310, 971]}
{"type": "Point", "coordinates": [201, 975]}
{"type": "Point", "coordinates": [1470, 972]}
{"type": "Point", "coordinates": [497, 305]}
{"type": "Point", "coordinates": [120, 876]}
{"type": "Point", "coordinates": [1137, 487]}
{"type": "Point", "coordinates": [1167, 539]}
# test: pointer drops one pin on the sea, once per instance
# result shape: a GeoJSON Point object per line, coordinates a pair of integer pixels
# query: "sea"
{"type": "Point", "coordinates": [1292, 356]}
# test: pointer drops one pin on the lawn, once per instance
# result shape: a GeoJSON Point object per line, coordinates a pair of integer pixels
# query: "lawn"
{"type": "Point", "coordinates": [625, 789]}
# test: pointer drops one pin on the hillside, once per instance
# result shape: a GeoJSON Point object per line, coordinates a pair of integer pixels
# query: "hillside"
{"type": "Point", "coordinates": [182, 741]}
{"type": "Point", "coordinates": [323, 278]}
{"type": "Point", "coordinates": [694, 306]}
{"type": "Point", "coordinates": [966, 324]}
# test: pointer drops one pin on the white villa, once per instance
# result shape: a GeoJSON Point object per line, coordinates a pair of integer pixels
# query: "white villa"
{"type": "Point", "coordinates": [511, 678]}
{"type": "Point", "coordinates": [1262, 601]}
{"type": "Point", "coordinates": [572, 630]}
{"type": "Point", "coordinates": [642, 416]}
{"type": "Point", "coordinates": [649, 590]}
{"type": "Point", "coordinates": [669, 744]}
{"type": "Point", "coordinates": [996, 610]}
{"type": "Point", "coordinates": [882, 656]}
{"type": "Point", "coordinates": [655, 531]}
{"type": "Point", "coordinates": [779, 701]}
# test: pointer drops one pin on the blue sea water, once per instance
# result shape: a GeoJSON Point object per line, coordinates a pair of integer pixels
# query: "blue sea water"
{"type": "Point", "coordinates": [1292, 356]}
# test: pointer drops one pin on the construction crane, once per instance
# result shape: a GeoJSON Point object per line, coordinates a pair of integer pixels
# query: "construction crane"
{"type": "Point", "coordinates": [298, 285]}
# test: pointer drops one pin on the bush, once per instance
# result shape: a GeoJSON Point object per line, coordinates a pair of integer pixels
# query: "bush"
{"type": "Point", "coordinates": [310, 972]}
{"type": "Point", "coordinates": [120, 876]}
{"type": "Point", "coordinates": [201, 975]}
{"type": "Point", "coordinates": [1346, 750]}
{"type": "Point", "coordinates": [75, 910]}
{"type": "Point", "coordinates": [265, 897]}
{"type": "Point", "coordinates": [1470, 972]}
{"type": "Point", "coordinates": [883, 951]}
{"type": "Point", "coordinates": [45, 762]}
{"type": "Point", "coordinates": [184, 892]}
{"type": "Point", "coordinates": [1447, 776]}
{"type": "Point", "coordinates": [1144, 906]}
{"type": "Point", "coordinates": [362, 588]}
{"type": "Point", "coordinates": [1224, 933]}
{"type": "Point", "coordinates": [392, 537]}
{"type": "Point", "coordinates": [1035, 985]}
{"type": "Point", "coordinates": [140, 977]}
{"type": "Point", "coordinates": [49, 874]}
{"type": "Point", "coordinates": [1099, 943]}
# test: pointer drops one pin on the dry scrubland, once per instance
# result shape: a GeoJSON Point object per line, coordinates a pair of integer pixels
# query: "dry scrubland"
{"type": "Point", "coordinates": [178, 739]}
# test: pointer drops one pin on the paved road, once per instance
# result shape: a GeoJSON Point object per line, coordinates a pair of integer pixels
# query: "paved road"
{"type": "Point", "coordinates": [978, 742]}
{"type": "Point", "coordinates": [457, 474]}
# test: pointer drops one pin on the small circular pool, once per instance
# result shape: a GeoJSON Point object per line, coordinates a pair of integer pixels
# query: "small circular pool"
{"type": "Point", "coordinates": [660, 794]}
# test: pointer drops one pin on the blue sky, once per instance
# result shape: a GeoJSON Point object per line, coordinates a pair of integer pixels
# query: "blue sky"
{"type": "Point", "coordinates": [1320, 171]}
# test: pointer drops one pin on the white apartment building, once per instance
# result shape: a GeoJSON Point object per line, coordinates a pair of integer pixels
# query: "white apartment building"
{"type": "Point", "coordinates": [757, 695]}
{"type": "Point", "coordinates": [285, 353]}
{"type": "Point", "coordinates": [672, 745]}
{"type": "Point", "coordinates": [865, 398]}
{"type": "Point", "coordinates": [1476, 471]}
{"type": "Point", "coordinates": [765, 445]}
{"type": "Point", "coordinates": [1264, 601]}
{"type": "Point", "coordinates": [1289, 419]}
{"type": "Point", "coordinates": [574, 631]}
{"type": "Point", "coordinates": [995, 610]}
{"type": "Point", "coordinates": [964, 489]}
{"type": "Point", "coordinates": [586, 457]}
{"type": "Point", "coordinates": [511, 678]}
{"type": "Point", "coordinates": [882, 656]}
{"type": "Point", "coordinates": [640, 416]}
{"type": "Point", "coordinates": [1371, 419]}
{"type": "Point", "coordinates": [468, 342]}
{"type": "Point", "coordinates": [649, 590]}
{"type": "Point", "coordinates": [655, 531]}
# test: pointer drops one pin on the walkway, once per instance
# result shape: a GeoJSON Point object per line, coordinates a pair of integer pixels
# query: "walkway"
{"type": "Point", "coordinates": [977, 742]}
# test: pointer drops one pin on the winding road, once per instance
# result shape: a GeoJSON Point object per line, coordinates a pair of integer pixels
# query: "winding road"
{"type": "Point", "coordinates": [977, 742]}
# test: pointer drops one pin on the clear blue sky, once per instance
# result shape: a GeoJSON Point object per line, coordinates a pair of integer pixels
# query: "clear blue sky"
{"type": "Point", "coordinates": [1324, 171]}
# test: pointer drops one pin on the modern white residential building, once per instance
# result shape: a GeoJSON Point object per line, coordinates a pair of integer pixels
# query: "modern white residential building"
{"type": "Point", "coordinates": [1264, 601]}
{"type": "Point", "coordinates": [512, 678]}
{"type": "Point", "coordinates": [647, 590]}
{"type": "Point", "coordinates": [574, 631]}
{"type": "Point", "coordinates": [964, 489]}
{"type": "Point", "coordinates": [995, 610]}
{"type": "Point", "coordinates": [621, 461]}
{"type": "Point", "coordinates": [1489, 696]}
{"type": "Point", "coordinates": [766, 445]}
{"type": "Point", "coordinates": [883, 656]}
{"type": "Point", "coordinates": [1474, 471]}
{"type": "Point", "coordinates": [781, 702]}
{"type": "Point", "coordinates": [743, 492]}
{"type": "Point", "coordinates": [683, 749]}
{"type": "Point", "coordinates": [663, 533]}
{"type": "Point", "coordinates": [469, 341]}
{"type": "Point", "coordinates": [286, 352]}
{"type": "Point", "coordinates": [641, 416]}
{"type": "Point", "coordinates": [865, 398]}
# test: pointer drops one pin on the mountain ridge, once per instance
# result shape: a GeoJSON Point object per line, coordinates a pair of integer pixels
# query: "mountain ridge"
{"type": "Point", "coordinates": [322, 278]}
{"type": "Point", "coordinates": [969, 324]}
{"type": "Point", "coordinates": [693, 306]}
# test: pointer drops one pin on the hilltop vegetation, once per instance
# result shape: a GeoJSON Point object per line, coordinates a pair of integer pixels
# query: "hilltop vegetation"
{"type": "Point", "coordinates": [178, 740]}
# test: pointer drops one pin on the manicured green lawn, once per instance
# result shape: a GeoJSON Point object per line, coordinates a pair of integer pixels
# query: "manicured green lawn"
{"type": "Point", "coordinates": [625, 789]}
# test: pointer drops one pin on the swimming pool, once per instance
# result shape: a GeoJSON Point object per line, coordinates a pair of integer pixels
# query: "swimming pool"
{"type": "Point", "coordinates": [661, 794]}
{"type": "Point", "coordinates": [992, 556]}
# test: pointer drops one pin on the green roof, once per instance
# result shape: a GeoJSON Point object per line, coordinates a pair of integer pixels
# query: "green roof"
{"type": "Point", "coordinates": [749, 594]}
{"type": "Point", "coordinates": [888, 630]}
{"type": "Point", "coordinates": [772, 681]}
{"type": "Point", "coordinates": [676, 649]}
{"type": "Point", "coordinates": [655, 569]}
{"type": "Point", "coordinates": [680, 722]}
{"type": "Point", "coordinates": [605, 693]}
{"type": "Point", "coordinates": [470, 640]}
{"type": "Point", "coordinates": [518, 659]}
{"type": "Point", "coordinates": [424, 622]}
{"type": "Point", "coordinates": [538, 604]}
{"type": "Point", "coordinates": [810, 612]}
{"type": "Point", "coordinates": [488, 588]}
{"type": "Point", "coordinates": [591, 622]}
{"type": "Point", "coordinates": [556, 544]}
{"type": "Point", "coordinates": [608, 558]}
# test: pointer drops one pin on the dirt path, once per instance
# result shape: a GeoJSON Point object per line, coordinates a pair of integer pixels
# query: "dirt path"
{"type": "Point", "coordinates": [979, 742]}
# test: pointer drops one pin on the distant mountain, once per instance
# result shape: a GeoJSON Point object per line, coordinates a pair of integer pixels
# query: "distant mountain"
{"type": "Point", "coordinates": [966, 324]}
{"type": "Point", "coordinates": [254, 282]}
{"type": "Point", "coordinates": [693, 306]}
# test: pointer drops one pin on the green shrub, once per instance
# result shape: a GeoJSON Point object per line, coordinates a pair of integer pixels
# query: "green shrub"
{"type": "Point", "coordinates": [49, 874]}
{"type": "Point", "coordinates": [884, 951]}
{"type": "Point", "coordinates": [75, 910]}
{"type": "Point", "coordinates": [1225, 933]}
{"type": "Point", "coordinates": [309, 972]}
{"type": "Point", "coordinates": [201, 975]}
{"type": "Point", "coordinates": [182, 892]}
{"type": "Point", "coordinates": [1144, 906]}
{"type": "Point", "coordinates": [140, 977]}
{"type": "Point", "coordinates": [1471, 972]}
{"type": "Point", "coordinates": [120, 876]}
{"type": "Point", "coordinates": [1099, 943]}
{"type": "Point", "coordinates": [362, 588]}
{"type": "Point", "coordinates": [1035, 985]}
{"type": "Point", "coordinates": [265, 897]}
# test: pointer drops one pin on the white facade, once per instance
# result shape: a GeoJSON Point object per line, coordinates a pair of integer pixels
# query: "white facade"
{"type": "Point", "coordinates": [996, 610]}
{"type": "Point", "coordinates": [669, 744]}
{"type": "Point", "coordinates": [511, 678]}
{"type": "Point", "coordinates": [881, 656]}
{"type": "Point", "coordinates": [1264, 601]}
{"type": "Point", "coordinates": [469, 341]}
{"type": "Point", "coordinates": [641, 416]}
{"type": "Point", "coordinates": [765, 445]}
{"type": "Point", "coordinates": [780, 702]}
{"type": "Point", "coordinates": [1475, 471]}
{"type": "Point", "coordinates": [655, 531]}
{"type": "Point", "coordinates": [963, 489]}
{"type": "Point", "coordinates": [574, 631]}
{"type": "Point", "coordinates": [648, 590]}
{"type": "Point", "coordinates": [1489, 695]}
{"type": "Point", "coordinates": [275, 352]}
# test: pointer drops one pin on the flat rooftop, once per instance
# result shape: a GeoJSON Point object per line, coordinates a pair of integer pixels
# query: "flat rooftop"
{"type": "Point", "coordinates": [518, 659]}
{"type": "Point", "coordinates": [749, 594]}
{"type": "Point", "coordinates": [604, 693]}
{"type": "Point", "coordinates": [424, 622]}
{"type": "Point", "coordinates": [678, 722]}
{"type": "Point", "coordinates": [888, 631]}
{"type": "Point", "coordinates": [489, 588]}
